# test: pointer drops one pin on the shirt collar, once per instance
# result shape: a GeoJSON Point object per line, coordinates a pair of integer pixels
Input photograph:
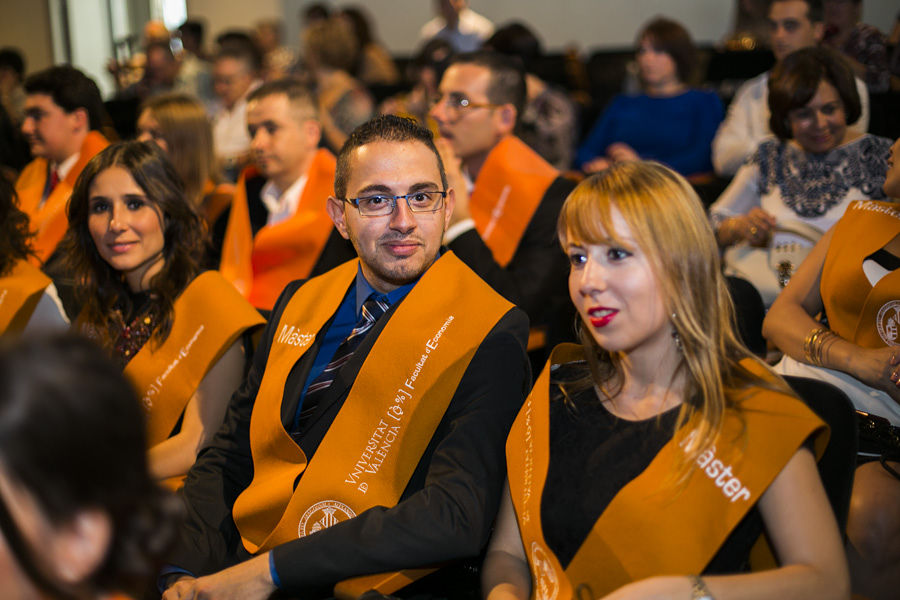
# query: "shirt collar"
{"type": "Point", "coordinates": [63, 168]}
{"type": "Point", "coordinates": [364, 290]}
{"type": "Point", "coordinates": [277, 201]}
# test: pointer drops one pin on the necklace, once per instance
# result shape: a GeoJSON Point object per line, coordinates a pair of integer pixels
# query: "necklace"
{"type": "Point", "coordinates": [135, 333]}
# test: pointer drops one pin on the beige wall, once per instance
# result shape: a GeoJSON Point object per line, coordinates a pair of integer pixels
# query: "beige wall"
{"type": "Point", "coordinates": [229, 14]}
{"type": "Point", "coordinates": [26, 26]}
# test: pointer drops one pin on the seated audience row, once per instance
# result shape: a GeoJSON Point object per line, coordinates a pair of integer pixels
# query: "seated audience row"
{"type": "Point", "coordinates": [851, 277]}
{"type": "Point", "coordinates": [797, 185]}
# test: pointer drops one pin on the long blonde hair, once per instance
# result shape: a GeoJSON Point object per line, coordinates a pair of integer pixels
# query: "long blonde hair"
{"type": "Point", "coordinates": [185, 128]}
{"type": "Point", "coordinates": [668, 223]}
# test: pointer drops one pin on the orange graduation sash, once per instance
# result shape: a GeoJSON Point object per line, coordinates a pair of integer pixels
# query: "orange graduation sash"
{"type": "Point", "coordinates": [209, 316]}
{"type": "Point", "coordinates": [867, 316]}
{"type": "Point", "coordinates": [261, 266]}
{"type": "Point", "coordinates": [50, 221]}
{"type": "Point", "coordinates": [649, 529]}
{"type": "Point", "coordinates": [507, 192]}
{"type": "Point", "coordinates": [393, 408]}
{"type": "Point", "coordinates": [20, 292]}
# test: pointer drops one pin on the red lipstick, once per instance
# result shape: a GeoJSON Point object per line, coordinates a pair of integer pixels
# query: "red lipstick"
{"type": "Point", "coordinates": [600, 316]}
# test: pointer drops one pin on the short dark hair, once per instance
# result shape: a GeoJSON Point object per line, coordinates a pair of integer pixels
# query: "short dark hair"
{"type": "Point", "coordinates": [72, 434]}
{"type": "Point", "coordinates": [516, 39]}
{"type": "Point", "coordinates": [11, 58]}
{"type": "Point", "coordinates": [316, 10]}
{"type": "Point", "coordinates": [672, 38]}
{"type": "Point", "coordinates": [101, 289]}
{"type": "Point", "coordinates": [70, 89]}
{"type": "Point", "coordinates": [240, 46]}
{"type": "Point", "coordinates": [507, 85]}
{"type": "Point", "coordinates": [814, 9]}
{"type": "Point", "coordinates": [384, 128]}
{"type": "Point", "coordinates": [796, 79]}
{"type": "Point", "coordinates": [192, 28]}
{"type": "Point", "coordinates": [297, 93]}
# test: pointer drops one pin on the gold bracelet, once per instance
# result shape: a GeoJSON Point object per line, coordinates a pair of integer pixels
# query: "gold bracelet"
{"type": "Point", "coordinates": [816, 345]}
{"type": "Point", "coordinates": [808, 344]}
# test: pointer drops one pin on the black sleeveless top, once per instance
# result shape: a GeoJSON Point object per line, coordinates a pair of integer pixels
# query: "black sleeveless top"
{"type": "Point", "coordinates": [593, 455]}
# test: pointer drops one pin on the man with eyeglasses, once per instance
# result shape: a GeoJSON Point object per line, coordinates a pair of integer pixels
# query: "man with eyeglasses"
{"type": "Point", "coordinates": [508, 197]}
{"type": "Point", "coordinates": [369, 435]}
{"type": "Point", "coordinates": [277, 229]}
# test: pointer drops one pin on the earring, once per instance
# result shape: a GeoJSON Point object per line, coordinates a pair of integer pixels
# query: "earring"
{"type": "Point", "coordinates": [675, 335]}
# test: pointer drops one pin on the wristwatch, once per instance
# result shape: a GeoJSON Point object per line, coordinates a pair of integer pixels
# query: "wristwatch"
{"type": "Point", "coordinates": [699, 591]}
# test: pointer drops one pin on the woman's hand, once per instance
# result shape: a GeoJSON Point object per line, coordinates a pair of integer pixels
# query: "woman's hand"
{"type": "Point", "coordinates": [756, 227]}
{"type": "Point", "coordinates": [878, 368]}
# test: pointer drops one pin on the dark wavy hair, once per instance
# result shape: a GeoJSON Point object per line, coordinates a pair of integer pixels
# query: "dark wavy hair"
{"type": "Point", "coordinates": [72, 435]}
{"type": "Point", "coordinates": [102, 290]}
{"type": "Point", "coordinates": [795, 80]}
{"type": "Point", "coordinates": [14, 231]}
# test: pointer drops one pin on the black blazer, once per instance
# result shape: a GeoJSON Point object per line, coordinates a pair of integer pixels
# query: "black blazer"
{"type": "Point", "coordinates": [337, 250]}
{"type": "Point", "coordinates": [446, 510]}
{"type": "Point", "coordinates": [535, 278]}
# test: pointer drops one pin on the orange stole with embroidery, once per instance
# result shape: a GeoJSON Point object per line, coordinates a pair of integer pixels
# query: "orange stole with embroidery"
{"type": "Point", "coordinates": [261, 266]}
{"type": "Point", "coordinates": [866, 315]}
{"type": "Point", "coordinates": [653, 527]}
{"type": "Point", "coordinates": [209, 316]}
{"type": "Point", "coordinates": [507, 192]}
{"type": "Point", "coordinates": [49, 221]}
{"type": "Point", "coordinates": [20, 292]}
{"type": "Point", "coordinates": [393, 408]}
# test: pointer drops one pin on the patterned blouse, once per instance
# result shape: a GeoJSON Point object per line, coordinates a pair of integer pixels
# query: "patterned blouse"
{"type": "Point", "coordinates": [792, 184]}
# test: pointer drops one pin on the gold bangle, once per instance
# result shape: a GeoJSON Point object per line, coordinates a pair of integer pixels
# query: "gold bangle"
{"type": "Point", "coordinates": [808, 343]}
{"type": "Point", "coordinates": [816, 345]}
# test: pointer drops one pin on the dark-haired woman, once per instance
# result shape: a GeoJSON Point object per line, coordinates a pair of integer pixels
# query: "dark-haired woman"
{"type": "Point", "coordinates": [80, 516]}
{"type": "Point", "coordinates": [797, 186]}
{"type": "Point", "coordinates": [134, 245]}
{"type": "Point", "coordinates": [28, 300]}
{"type": "Point", "coordinates": [669, 122]}
{"type": "Point", "coordinates": [646, 461]}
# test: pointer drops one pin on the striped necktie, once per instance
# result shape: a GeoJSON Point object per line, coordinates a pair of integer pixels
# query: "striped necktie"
{"type": "Point", "coordinates": [372, 309]}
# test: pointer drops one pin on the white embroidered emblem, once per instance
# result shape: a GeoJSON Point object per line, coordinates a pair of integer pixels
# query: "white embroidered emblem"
{"type": "Point", "coordinates": [323, 515]}
{"type": "Point", "coordinates": [888, 321]}
{"type": "Point", "coordinates": [546, 584]}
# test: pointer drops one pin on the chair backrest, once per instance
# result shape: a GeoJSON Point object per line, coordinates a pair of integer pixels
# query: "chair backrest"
{"type": "Point", "coordinates": [838, 464]}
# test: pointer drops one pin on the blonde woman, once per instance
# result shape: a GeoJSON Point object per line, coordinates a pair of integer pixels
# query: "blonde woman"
{"type": "Point", "coordinates": [646, 461]}
{"type": "Point", "coordinates": [178, 124]}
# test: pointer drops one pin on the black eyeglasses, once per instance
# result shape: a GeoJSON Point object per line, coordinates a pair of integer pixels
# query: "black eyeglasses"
{"type": "Point", "coordinates": [380, 205]}
{"type": "Point", "coordinates": [455, 104]}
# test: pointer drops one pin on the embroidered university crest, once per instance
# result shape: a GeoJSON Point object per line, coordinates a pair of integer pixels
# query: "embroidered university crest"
{"type": "Point", "coordinates": [888, 321]}
{"type": "Point", "coordinates": [323, 515]}
{"type": "Point", "coordinates": [546, 585]}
